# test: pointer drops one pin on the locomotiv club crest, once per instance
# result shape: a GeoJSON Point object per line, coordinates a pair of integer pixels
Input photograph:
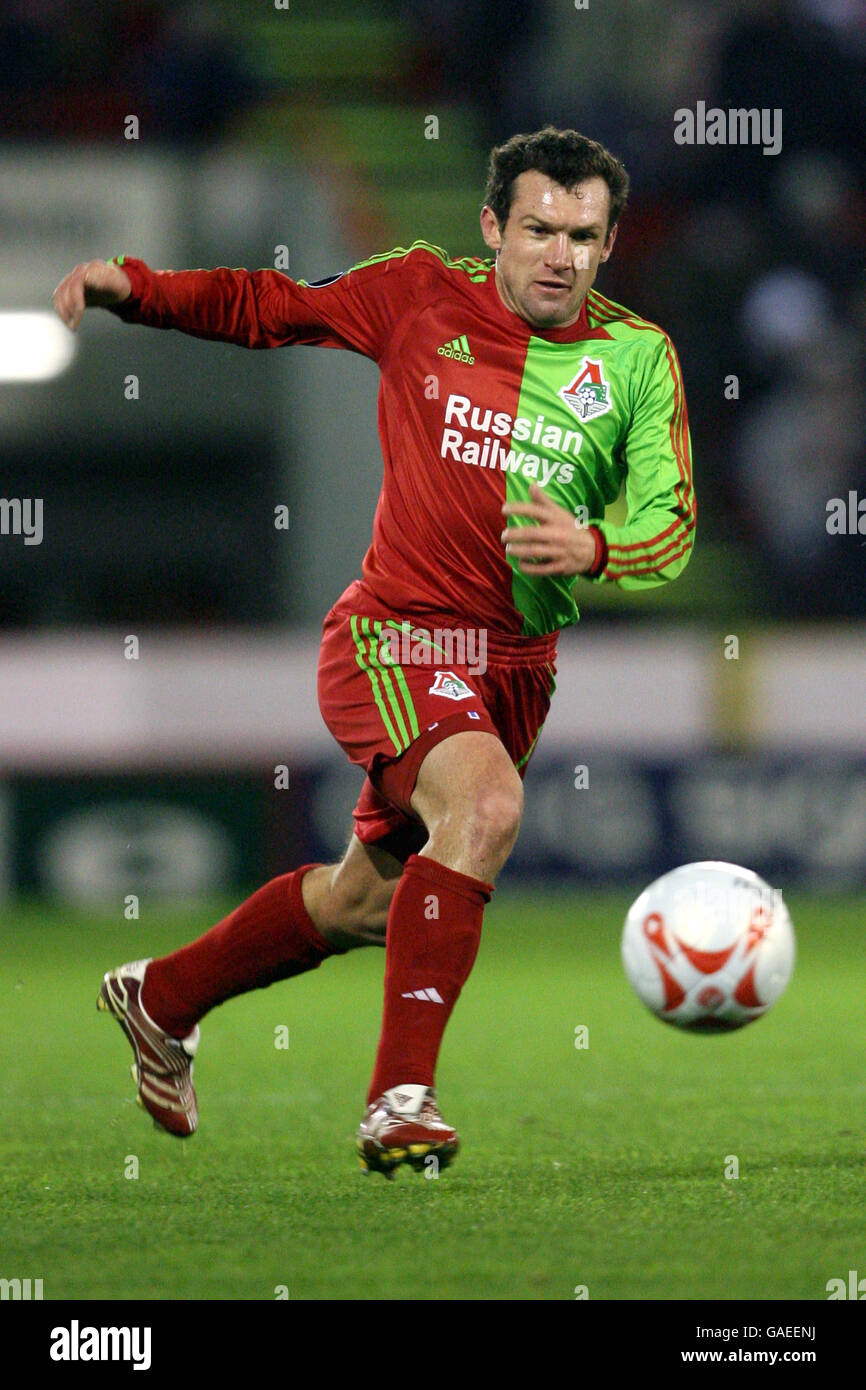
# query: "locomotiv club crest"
{"type": "Point", "coordinates": [588, 394]}
{"type": "Point", "coordinates": [451, 686]}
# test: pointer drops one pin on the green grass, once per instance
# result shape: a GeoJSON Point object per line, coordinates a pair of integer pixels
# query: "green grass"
{"type": "Point", "coordinates": [601, 1167]}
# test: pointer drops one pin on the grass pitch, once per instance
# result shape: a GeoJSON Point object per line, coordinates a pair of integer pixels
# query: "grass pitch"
{"type": "Point", "coordinates": [601, 1167]}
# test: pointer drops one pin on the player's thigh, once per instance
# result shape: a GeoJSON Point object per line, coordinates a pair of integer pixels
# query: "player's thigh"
{"type": "Point", "coordinates": [470, 797]}
{"type": "Point", "coordinates": [349, 901]}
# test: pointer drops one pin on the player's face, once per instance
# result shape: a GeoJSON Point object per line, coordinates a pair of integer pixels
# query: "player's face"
{"type": "Point", "coordinates": [550, 248]}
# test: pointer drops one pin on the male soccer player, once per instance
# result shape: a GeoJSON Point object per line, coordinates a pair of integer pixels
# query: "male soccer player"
{"type": "Point", "coordinates": [508, 386]}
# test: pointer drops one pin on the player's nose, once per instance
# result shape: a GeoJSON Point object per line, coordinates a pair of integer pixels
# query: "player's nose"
{"type": "Point", "coordinates": [558, 252]}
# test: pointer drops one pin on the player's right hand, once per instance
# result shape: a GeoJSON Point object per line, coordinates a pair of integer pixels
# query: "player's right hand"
{"type": "Point", "coordinates": [92, 284]}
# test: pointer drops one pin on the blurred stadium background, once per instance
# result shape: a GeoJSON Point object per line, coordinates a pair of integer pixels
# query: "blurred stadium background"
{"type": "Point", "coordinates": [301, 136]}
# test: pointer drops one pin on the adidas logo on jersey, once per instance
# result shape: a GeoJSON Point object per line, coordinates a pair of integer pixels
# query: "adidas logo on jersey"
{"type": "Point", "coordinates": [430, 996]}
{"type": "Point", "coordinates": [458, 349]}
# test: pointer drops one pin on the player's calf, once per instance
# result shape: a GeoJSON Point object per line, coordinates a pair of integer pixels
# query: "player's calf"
{"type": "Point", "coordinates": [350, 901]}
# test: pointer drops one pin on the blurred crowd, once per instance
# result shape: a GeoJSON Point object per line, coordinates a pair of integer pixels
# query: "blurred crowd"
{"type": "Point", "coordinates": [753, 262]}
{"type": "Point", "coordinates": [73, 69]}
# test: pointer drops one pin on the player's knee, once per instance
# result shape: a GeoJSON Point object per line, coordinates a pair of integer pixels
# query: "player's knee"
{"type": "Point", "coordinates": [490, 821]}
{"type": "Point", "coordinates": [500, 812]}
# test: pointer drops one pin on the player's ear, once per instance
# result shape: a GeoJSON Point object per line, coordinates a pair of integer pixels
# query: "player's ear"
{"type": "Point", "coordinates": [608, 245]}
{"type": "Point", "coordinates": [490, 228]}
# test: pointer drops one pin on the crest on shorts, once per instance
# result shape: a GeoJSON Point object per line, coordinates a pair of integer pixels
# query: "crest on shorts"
{"type": "Point", "coordinates": [588, 394]}
{"type": "Point", "coordinates": [451, 686]}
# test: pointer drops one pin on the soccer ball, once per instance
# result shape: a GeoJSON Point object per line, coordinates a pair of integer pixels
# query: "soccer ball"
{"type": "Point", "coordinates": [708, 947]}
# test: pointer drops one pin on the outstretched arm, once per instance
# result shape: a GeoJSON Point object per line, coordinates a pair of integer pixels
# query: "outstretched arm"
{"type": "Point", "coordinates": [91, 285]}
{"type": "Point", "coordinates": [251, 308]}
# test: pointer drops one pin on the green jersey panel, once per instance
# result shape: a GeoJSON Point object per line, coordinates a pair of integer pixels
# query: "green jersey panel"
{"type": "Point", "coordinates": [595, 414]}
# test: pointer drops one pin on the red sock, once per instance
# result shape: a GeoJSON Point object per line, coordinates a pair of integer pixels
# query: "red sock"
{"type": "Point", "coordinates": [434, 929]}
{"type": "Point", "coordinates": [269, 937]}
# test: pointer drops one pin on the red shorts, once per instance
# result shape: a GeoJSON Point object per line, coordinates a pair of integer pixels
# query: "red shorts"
{"type": "Point", "coordinates": [390, 689]}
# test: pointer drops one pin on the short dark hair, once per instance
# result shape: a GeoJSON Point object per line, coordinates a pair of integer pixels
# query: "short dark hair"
{"type": "Point", "coordinates": [565, 156]}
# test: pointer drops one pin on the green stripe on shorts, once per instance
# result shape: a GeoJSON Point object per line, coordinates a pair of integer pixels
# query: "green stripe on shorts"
{"type": "Point", "coordinates": [404, 689]}
{"type": "Point", "coordinates": [384, 673]}
{"type": "Point", "coordinates": [367, 633]}
{"type": "Point", "coordinates": [360, 657]}
{"type": "Point", "coordinates": [528, 754]}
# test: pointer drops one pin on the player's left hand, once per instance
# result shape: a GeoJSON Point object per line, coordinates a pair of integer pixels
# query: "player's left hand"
{"type": "Point", "coordinates": [558, 544]}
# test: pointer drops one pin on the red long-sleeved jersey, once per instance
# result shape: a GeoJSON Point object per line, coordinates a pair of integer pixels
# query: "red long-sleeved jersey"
{"type": "Point", "coordinates": [474, 404]}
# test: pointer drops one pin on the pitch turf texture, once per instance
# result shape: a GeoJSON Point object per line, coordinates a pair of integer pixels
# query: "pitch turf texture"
{"type": "Point", "coordinates": [601, 1166]}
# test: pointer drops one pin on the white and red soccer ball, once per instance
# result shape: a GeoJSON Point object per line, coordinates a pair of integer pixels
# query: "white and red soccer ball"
{"type": "Point", "coordinates": [708, 947]}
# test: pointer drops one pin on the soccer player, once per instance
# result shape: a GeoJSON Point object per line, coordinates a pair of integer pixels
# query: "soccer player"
{"type": "Point", "coordinates": [515, 401]}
